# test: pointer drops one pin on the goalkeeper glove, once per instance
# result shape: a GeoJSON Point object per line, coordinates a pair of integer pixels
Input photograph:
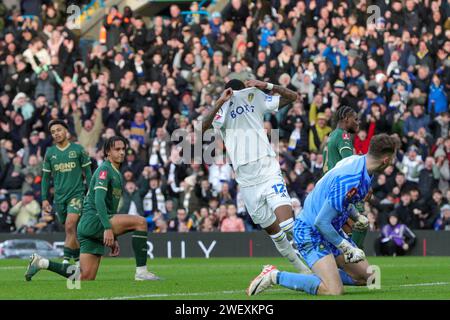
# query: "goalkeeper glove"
{"type": "Point", "coordinates": [361, 224]}
{"type": "Point", "coordinates": [351, 254]}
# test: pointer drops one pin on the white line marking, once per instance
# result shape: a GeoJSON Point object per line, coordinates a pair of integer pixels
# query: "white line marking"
{"type": "Point", "coordinates": [167, 295]}
{"type": "Point", "coordinates": [13, 268]}
{"type": "Point", "coordinates": [425, 284]}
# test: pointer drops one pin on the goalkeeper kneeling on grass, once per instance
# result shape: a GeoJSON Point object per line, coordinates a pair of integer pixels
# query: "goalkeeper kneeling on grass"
{"type": "Point", "coordinates": [333, 257]}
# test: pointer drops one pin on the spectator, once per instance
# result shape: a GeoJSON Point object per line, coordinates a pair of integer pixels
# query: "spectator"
{"type": "Point", "coordinates": [89, 132]}
{"type": "Point", "coordinates": [132, 200]}
{"type": "Point", "coordinates": [416, 121]}
{"type": "Point", "coordinates": [405, 210]}
{"type": "Point", "coordinates": [232, 223]}
{"type": "Point", "coordinates": [182, 222]}
{"type": "Point", "coordinates": [154, 199]}
{"type": "Point", "coordinates": [6, 219]}
{"type": "Point", "coordinates": [428, 178]}
{"type": "Point", "coordinates": [442, 162]}
{"type": "Point", "coordinates": [411, 165]}
{"type": "Point", "coordinates": [396, 238]}
{"type": "Point", "coordinates": [132, 164]}
{"type": "Point", "coordinates": [26, 211]}
{"type": "Point", "coordinates": [219, 173]}
{"type": "Point", "coordinates": [318, 133]}
{"type": "Point", "coordinates": [437, 99]}
{"type": "Point", "coordinates": [443, 221]}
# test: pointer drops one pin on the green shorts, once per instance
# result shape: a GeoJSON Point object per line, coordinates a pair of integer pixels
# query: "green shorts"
{"type": "Point", "coordinates": [90, 235]}
{"type": "Point", "coordinates": [72, 205]}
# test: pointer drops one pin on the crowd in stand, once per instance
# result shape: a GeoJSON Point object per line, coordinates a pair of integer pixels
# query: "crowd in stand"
{"type": "Point", "coordinates": [147, 77]}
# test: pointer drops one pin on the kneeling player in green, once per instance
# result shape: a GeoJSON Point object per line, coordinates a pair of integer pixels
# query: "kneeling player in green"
{"type": "Point", "coordinates": [66, 162]}
{"type": "Point", "coordinates": [99, 226]}
{"type": "Point", "coordinates": [340, 146]}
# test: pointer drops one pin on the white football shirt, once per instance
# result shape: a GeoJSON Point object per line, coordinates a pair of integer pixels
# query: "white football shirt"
{"type": "Point", "coordinates": [241, 124]}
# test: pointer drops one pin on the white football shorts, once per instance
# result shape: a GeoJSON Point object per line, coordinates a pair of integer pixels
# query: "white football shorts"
{"type": "Point", "coordinates": [263, 198]}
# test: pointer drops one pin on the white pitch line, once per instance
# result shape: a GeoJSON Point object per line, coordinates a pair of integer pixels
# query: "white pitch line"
{"type": "Point", "coordinates": [13, 268]}
{"type": "Point", "coordinates": [425, 284]}
{"type": "Point", "coordinates": [166, 295]}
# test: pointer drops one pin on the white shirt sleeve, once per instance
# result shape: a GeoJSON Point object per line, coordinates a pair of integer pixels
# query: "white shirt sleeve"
{"type": "Point", "coordinates": [269, 102]}
{"type": "Point", "coordinates": [219, 118]}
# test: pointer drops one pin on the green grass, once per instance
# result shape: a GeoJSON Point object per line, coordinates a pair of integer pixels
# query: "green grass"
{"type": "Point", "coordinates": [221, 278]}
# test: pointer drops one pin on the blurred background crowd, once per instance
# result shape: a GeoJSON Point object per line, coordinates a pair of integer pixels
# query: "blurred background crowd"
{"type": "Point", "coordinates": [146, 77]}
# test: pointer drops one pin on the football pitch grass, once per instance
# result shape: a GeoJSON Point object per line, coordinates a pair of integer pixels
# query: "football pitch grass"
{"type": "Point", "coordinates": [402, 278]}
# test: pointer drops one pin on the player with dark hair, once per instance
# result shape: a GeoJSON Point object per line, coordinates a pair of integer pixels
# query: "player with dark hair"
{"type": "Point", "coordinates": [239, 117]}
{"type": "Point", "coordinates": [333, 257]}
{"type": "Point", "coordinates": [340, 146]}
{"type": "Point", "coordinates": [66, 162]}
{"type": "Point", "coordinates": [100, 225]}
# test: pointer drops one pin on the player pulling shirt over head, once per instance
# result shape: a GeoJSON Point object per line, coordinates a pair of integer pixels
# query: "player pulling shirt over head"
{"type": "Point", "coordinates": [239, 117]}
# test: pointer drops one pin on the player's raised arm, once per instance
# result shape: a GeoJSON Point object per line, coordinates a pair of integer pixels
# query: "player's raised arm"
{"type": "Point", "coordinates": [287, 96]}
{"type": "Point", "coordinates": [207, 122]}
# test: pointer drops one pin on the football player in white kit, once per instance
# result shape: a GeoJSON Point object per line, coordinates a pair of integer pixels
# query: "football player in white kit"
{"type": "Point", "coordinates": [239, 116]}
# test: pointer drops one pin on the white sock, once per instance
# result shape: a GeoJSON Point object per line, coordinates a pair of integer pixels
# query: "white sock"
{"type": "Point", "coordinates": [285, 248]}
{"type": "Point", "coordinates": [273, 276]}
{"type": "Point", "coordinates": [141, 269]}
{"type": "Point", "coordinates": [43, 263]}
{"type": "Point", "coordinates": [287, 226]}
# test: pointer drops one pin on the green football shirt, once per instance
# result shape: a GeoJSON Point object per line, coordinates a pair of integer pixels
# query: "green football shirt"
{"type": "Point", "coordinates": [339, 146]}
{"type": "Point", "coordinates": [66, 166]}
{"type": "Point", "coordinates": [105, 191]}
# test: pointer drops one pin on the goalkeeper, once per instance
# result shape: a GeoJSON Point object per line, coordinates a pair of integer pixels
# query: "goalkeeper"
{"type": "Point", "coordinates": [332, 256]}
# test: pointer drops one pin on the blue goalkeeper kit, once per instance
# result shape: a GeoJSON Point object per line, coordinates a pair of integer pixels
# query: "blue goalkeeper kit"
{"type": "Point", "coordinates": [318, 229]}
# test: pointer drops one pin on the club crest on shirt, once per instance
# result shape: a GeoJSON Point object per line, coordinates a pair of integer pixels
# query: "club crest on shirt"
{"type": "Point", "coordinates": [351, 193]}
{"type": "Point", "coordinates": [250, 97]}
{"type": "Point", "coordinates": [345, 136]}
{"type": "Point", "coordinates": [103, 174]}
{"type": "Point", "coordinates": [217, 117]}
{"type": "Point", "coordinates": [72, 154]}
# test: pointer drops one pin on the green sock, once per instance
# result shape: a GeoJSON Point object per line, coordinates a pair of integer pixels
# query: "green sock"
{"type": "Point", "coordinates": [61, 268]}
{"type": "Point", "coordinates": [358, 237]}
{"type": "Point", "coordinates": [76, 254]}
{"type": "Point", "coordinates": [67, 253]}
{"type": "Point", "coordinates": [139, 242]}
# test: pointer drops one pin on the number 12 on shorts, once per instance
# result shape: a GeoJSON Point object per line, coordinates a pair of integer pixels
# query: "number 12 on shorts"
{"type": "Point", "coordinates": [279, 188]}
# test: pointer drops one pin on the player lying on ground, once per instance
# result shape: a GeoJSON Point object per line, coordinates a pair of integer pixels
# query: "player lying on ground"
{"type": "Point", "coordinates": [334, 259]}
{"type": "Point", "coordinates": [340, 146]}
{"type": "Point", "coordinates": [99, 225]}
{"type": "Point", "coordinates": [239, 116]}
{"type": "Point", "coordinates": [66, 162]}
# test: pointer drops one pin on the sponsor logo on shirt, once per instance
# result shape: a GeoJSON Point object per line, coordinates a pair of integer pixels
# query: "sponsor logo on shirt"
{"type": "Point", "coordinates": [103, 174]}
{"type": "Point", "coordinates": [65, 167]}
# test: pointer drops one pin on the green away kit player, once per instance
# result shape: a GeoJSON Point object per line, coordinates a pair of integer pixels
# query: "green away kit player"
{"type": "Point", "coordinates": [340, 146]}
{"type": "Point", "coordinates": [100, 226]}
{"type": "Point", "coordinates": [66, 162]}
